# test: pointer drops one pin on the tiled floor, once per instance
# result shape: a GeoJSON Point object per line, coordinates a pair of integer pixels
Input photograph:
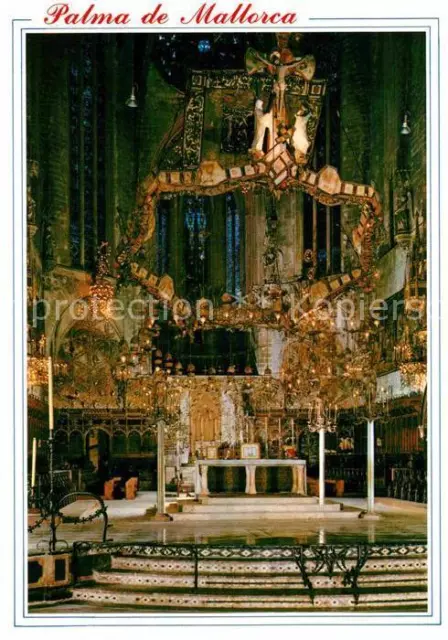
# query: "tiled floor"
{"type": "Point", "coordinates": [398, 521]}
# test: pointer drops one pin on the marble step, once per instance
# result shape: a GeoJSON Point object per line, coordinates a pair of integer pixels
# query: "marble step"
{"type": "Point", "coordinates": [412, 597]}
{"type": "Point", "coordinates": [258, 567]}
{"type": "Point", "coordinates": [265, 515]}
{"type": "Point", "coordinates": [256, 507]}
{"type": "Point", "coordinates": [268, 500]}
{"type": "Point", "coordinates": [250, 581]}
{"type": "Point", "coordinates": [228, 581]}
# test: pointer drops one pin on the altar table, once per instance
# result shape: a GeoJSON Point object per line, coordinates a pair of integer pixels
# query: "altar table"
{"type": "Point", "coordinates": [298, 468]}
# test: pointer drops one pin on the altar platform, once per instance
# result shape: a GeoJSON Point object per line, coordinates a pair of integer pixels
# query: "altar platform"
{"type": "Point", "coordinates": [263, 507]}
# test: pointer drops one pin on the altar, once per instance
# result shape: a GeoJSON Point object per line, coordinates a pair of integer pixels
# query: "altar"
{"type": "Point", "coordinates": [298, 468]}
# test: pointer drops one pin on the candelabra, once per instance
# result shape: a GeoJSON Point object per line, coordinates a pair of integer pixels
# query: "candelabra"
{"type": "Point", "coordinates": [322, 420]}
{"type": "Point", "coordinates": [376, 407]}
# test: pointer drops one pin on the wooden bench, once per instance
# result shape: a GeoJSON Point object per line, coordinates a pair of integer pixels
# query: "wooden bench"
{"type": "Point", "coordinates": [333, 487]}
{"type": "Point", "coordinates": [130, 488]}
{"type": "Point", "coordinates": [109, 488]}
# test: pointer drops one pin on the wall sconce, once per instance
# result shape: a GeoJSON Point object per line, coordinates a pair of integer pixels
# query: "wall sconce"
{"type": "Point", "coordinates": [405, 128]}
{"type": "Point", "coordinates": [132, 100]}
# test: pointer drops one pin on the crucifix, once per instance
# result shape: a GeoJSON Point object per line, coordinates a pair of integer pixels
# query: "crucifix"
{"type": "Point", "coordinates": [280, 64]}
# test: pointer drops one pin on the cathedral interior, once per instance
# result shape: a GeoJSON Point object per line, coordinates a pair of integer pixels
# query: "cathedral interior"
{"type": "Point", "coordinates": [226, 287]}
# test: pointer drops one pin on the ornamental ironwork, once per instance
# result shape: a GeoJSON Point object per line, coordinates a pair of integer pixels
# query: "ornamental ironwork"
{"type": "Point", "coordinates": [346, 560]}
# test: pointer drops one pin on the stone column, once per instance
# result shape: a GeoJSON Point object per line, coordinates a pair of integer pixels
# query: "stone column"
{"type": "Point", "coordinates": [370, 466]}
{"type": "Point", "coordinates": [301, 487]}
{"type": "Point", "coordinates": [298, 480]}
{"type": "Point", "coordinates": [197, 480]}
{"type": "Point", "coordinates": [160, 514]}
{"type": "Point", "coordinates": [204, 480]}
{"type": "Point", "coordinates": [290, 211]}
{"type": "Point", "coordinates": [251, 488]}
{"type": "Point", "coordinates": [294, 480]}
{"type": "Point", "coordinates": [321, 467]}
{"type": "Point", "coordinates": [255, 204]}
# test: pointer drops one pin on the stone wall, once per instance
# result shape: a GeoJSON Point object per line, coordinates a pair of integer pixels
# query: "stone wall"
{"type": "Point", "coordinates": [382, 77]}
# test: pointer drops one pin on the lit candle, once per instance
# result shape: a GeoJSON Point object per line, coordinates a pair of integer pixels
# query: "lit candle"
{"type": "Point", "coordinates": [33, 464]}
{"type": "Point", "coordinates": [50, 395]}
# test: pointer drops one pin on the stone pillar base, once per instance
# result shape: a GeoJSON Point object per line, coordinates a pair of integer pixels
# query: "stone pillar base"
{"type": "Point", "coordinates": [162, 517]}
{"type": "Point", "coordinates": [365, 515]}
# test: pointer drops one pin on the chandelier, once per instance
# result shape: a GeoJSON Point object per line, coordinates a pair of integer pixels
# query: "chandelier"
{"type": "Point", "coordinates": [330, 358]}
{"type": "Point", "coordinates": [101, 291]}
{"type": "Point", "coordinates": [37, 363]}
{"type": "Point", "coordinates": [37, 372]}
{"type": "Point", "coordinates": [413, 375]}
{"type": "Point", "coordinates": [37, 366]}
{"type": "Point", "coordinates": [267, 308]}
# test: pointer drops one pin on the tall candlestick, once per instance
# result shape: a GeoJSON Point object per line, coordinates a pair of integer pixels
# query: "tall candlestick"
{"type": "Point", "coordinates": [50, 395]}
{"type": "Point", "coordinates": [267, 435]}
{"type": "Point", "coordinates": [218, 429]}
{"type": "Point", "coordinates": [177, 452]}
{"type": "Point", "coordinates": [292, 430]}
{"type": "Point", "coordinates": [33, 464]}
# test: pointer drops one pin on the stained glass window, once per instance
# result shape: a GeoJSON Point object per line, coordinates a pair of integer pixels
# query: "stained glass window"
{"type": "Point", "coordinates": [75, 169]}
{"type": "Point", "coordinates": [196, 225]}
{"type": "Point", "coordinates": [233, 246]}
{"type": "Point", "coordinates": [204, 46]}
{"type": "Point", "coordinates": [162, 236]}
{"type": "Point", "coordinates": [88, 159]}
{"type": "Point", "coordinates": [87, 152]}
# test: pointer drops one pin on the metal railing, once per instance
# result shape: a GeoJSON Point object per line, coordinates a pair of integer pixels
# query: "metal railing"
{"type": "Point", "coordinates": [310, 559]}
